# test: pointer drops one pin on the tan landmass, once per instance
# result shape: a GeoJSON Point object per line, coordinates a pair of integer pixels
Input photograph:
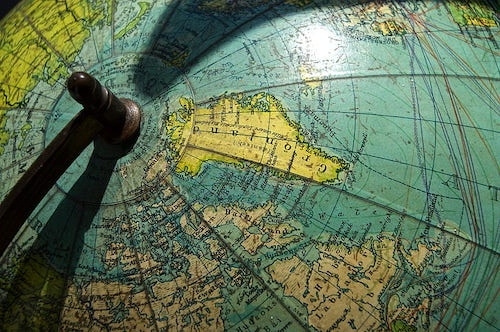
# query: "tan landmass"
{"type": "Point", "coordinates": [389, 28]}
{"type": "Point", "coordinates": [112, 304]}
{"type": "Point", "coordinates": [262, 233]}
{"type": "Point", "coordinates": [162, 306]}
{"type": "Point", "coordinates": [129, 260]}
{"type": "Point", "coordinates": [157, 165]}
{"type": "Point", "coordinates": [342, 288]}
{"type": "Point", "coordinates": [417, 257]}
{"type": "Point", "coordinates": [255, 129]}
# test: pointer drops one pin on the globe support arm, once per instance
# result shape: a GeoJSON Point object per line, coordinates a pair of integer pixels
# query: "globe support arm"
{"type": "Point", "coordinates": [116, 120]}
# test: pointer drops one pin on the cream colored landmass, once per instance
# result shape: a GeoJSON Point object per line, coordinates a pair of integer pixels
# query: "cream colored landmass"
{"type": "Point", "coordinates": [163, 306]}
{"type": "Point", "coordinates": [252, 243]}
{"type": "Point", "coordinates": [382, 19]}
{"type": "Point", "coordinates": [242, 219]}
{"type": "Point", "coordinates": [255, 129]}
{"type": "Point", "coordinates": [263, 233]}
{"type": "Point", "coordinates": [417, 257]}
{"type": "Point", "coordinates": [389, 28]}
{"type": "Point", "coordinates": [191, 300]}
{"type": "Point", "coordinates": [310, 75]}
{"type": "Point", "coordinates": [40, 46]}
{"type": "Point", "coordinates": [194, 227]}
{"type": "Point", "coordinates": [129, 260]}
{"type": "Point", "coordinates": [113, 306]}
{"type": "Point", "coordinates": [201, 289]}
{"type": "Point", "coordinates": [341, 289]}
{"type": "Point", "coordinates": [280, 234]}
{"type": "Point", "coordinates": [157, 164]}
{"type": "Point", "coordinates": [449, 243]}
{"type": "Point", "coordinates": [398, 311]}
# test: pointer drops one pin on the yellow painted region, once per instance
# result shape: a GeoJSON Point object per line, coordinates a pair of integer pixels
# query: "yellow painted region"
{"type": "Point", "coordinates": [254, 129]}
{"type": "Point", "coordinates": [192, 160]}
{"type": "Point", "coordinates": [472, 14]}
{"type": "Point", "coordinates": [480, 21]}
{"type": "Point", "coordinates": [36, 283]}
{"type": "Point", "coordinates": [179, 125]}
{"type": "Point", "coordinates": [37, 46]}
{"type": "Point", "coordinates": [144, 7]}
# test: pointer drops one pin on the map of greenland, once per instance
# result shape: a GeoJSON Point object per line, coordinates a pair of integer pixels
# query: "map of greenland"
{"type": "Point", "coordinates": [255, 128]}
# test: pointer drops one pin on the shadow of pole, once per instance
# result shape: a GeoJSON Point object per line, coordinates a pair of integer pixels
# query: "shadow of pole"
{"type": "Point", "coordinates": [36, 296]}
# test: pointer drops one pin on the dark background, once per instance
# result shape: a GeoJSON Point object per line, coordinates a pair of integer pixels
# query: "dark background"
{"type": "Point", "coordinates": [6, 6]}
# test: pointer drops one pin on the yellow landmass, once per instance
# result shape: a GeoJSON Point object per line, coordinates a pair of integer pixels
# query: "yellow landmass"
{"type": "Point", "coordinates": [254, 129]}
{"type": "Point", "coordinates": [35, 303]}
{"type": "Point", "coordinates": [472, 13]}
{"type": "Point", "coordinates": [39, 39]}
{"type": "Point", "coordinates": [193, 159]}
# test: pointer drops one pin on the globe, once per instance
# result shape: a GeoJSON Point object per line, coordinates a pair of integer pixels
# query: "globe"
{"type": "Point", "coordinates": [301, 165]}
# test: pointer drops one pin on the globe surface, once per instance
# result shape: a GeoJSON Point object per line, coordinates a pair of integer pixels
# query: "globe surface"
{"type": "Point", "coordinates": [302, 165]}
